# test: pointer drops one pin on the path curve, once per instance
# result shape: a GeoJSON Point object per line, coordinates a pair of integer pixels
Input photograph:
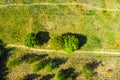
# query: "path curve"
{"type": "Point", "coordinates": [48, 50]}
{"type": "Point", "coordinates": [54, 4]}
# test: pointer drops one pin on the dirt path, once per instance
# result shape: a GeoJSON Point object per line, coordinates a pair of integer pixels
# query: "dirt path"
{"type": "Point", "coordinates": [54, 4]}
{"type": "Point", "coordinates": [47, 50]}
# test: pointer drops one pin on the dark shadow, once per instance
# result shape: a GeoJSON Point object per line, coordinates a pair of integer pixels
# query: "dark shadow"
{"type": "Point", "coordinates": [2, 45]}
{"type": "Point", "coordinates": [58, 61]}
{"type": "Point", "coordinates": [42, 37]}
{"type": "Point", "coordinates": [33, 56]}
{"type": "Point", "coordinates": [70, 72]}
{"type": "Point", "coordinates": [31, 76]}
{"type": "Point", "coordinates": [47, 77]}
{"type": "Point", "coordinates": [94, 64]}
{"type": "Point", "coordinates": [4, 55]}
{"type": "Point", "coordinates": [82, 38]}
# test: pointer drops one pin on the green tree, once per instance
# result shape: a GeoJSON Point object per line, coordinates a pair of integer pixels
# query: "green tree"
{"type": "Point", "coordinates": [57, 43]}
{"type": "Point", "coordinates": [30, 40]}
{"type": "Point", "coordinates": [71, 43]}
{"type": "Point", "coordinates": [87, 71]}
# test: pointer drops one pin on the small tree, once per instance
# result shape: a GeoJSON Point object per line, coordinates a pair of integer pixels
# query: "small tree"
{"type": "Point", "coordinates": [87, 71]}
{"type": "Point", "coordinates": [30, 40]}
{"type": "Point", "coordinates": [57, 43]}
{"type": "Point", "coordinates": [71, 43]}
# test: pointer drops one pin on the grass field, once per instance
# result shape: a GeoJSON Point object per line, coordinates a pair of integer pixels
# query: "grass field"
{"type": "Point", "coordinates": [102, 28]}
{"type": "Point", "coordinates": [97, 20]}
{"type": "Point", "coordinates": [106, 67]}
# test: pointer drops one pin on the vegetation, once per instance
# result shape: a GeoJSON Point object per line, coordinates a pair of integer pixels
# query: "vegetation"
{"type": "Point", "coordinates": [71, 43]}
{"type": "Point", "coordinates": [30, 40]}
{"type": "Point", "coordinates": [44, 65]}
{"type": "Point", "coordinates": [66, 18]}
{"type": "Point", "coordinates": [65, 74]}
{"type": "Point", "coordinates": [38, 66]}
{"type": "Point", "coordinates": [57, 43]}
{"type": "Point", "coordinates": [94, 25]}
{"type": "Point", "coordinates": [87, 71]}
{"type": "Point", "coordinates": [12, 63]}
{"type": "Point", "coordinates": [68, 42]}
{"type": "Point", "coordinates": [50, 66]}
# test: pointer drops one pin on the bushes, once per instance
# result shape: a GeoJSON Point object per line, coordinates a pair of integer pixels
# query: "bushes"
{"type": "Point", "coordinates": [12, 63]}
{"type": "Point", "coordinates": [87, 71]}
{"type": "Point", "coordinates": [30, 40]}
{"type": "Point", "coordinates": [68, 42]}
{"type": "Point", "coordinates": [50, 66]}
{"type": "Point", "coordinates": [57, 43]}
{"type": "Point", "coordinates": [71, 43]}
{"type": "Point", "coordinates": [37, 66]}
{"type": "Point", "coordinates": [66, 74]}
{"type": "Point", "coordinates": [59, 76]}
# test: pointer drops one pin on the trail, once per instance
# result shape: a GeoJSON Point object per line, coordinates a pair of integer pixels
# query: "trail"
{"type": "Point", "coordinates": [55, 4]}
{"type": "Point", "coordinates": [48, 50]}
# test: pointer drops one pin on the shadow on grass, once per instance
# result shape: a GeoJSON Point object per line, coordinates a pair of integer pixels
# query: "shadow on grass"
{"type": "Point", "coordinates": [48, 63]}
{"type": "Point", "coordinates": [4, 55]}
{"type": "Point", "coordinates": [47, 77]}
{"type": "Point", "coordinates": [56, 61]}
{"type": "Point", "coordinates": [93, 64]}
{"type": "Point", "coordinates": [31, 76]}
{"type": "Point", "coordinates": [69, 73]}
{"type": "Point", "coordinates": [42, 37]}
{"type": "Point", "coordinates": [82, 38]}
{"type": "Point", "coordinates": [31, 57]}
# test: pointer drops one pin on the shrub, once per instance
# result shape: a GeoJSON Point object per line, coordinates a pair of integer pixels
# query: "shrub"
{"type": "Point", "coordinates": [12, 63]}
{"type": "Point", "coordinates": [68, 42]}
{"type": "Point", "coordinates": [59, 76]}
{"type": "Point", "coordinates": [62, 76]}
{"type": "Point", "coordinates": [30, 40]}
{"type": "Point", "coordinates": [87, 71]}
{"type": "Point", "coordinates": [20, 78]}
{"type": "Point", "coordinates": [50, 66]}
{"type": "Point", "coordinates": [31, 60]}
{"type": "Point", "coordinates": [37, 66]}
{"type": "Point", "coordinates": [57, 43]}
{"type": "Point", "coordinates": [71, 43]}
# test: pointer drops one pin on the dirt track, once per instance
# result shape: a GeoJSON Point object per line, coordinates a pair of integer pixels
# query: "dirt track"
{"type": "Point", "coordinates": [53, 4]}
{"type": "Point", "coordinates": [47, 50]}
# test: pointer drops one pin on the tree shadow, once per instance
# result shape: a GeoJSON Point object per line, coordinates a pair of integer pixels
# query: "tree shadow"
{"type": "Point", "coordinates": [69, 72]}
{"type": "Point", "coordinates": [82, 38]}
{"type": "Point", "coordinates": [47, 77]}
{"type": "Point", "coordinates": [33, 57]}
{"type": "Point", "coordinates": [31, 76]}
{"type": "Point", "coordinates": [4, 55]}
{"type": "Point", "coordinates": [42, 37]}
{"type": "Point", "coordinates": [93, 64]}
{"type": "Point", "coordinates": [57, 61]}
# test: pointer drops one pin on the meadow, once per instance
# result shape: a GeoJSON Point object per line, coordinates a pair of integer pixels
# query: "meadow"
{"type": "Point", "coordinates": [104, 66]}
{"type": "Point", "coordinates": [100, 26]}
{"type": "Point", "coordinates": [98, 21]}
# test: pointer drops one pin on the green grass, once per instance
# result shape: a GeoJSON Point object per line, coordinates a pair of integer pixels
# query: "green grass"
{"type": "Point", "coordinates": [12, 63]}
{"type": "Point", "coordinates": [100, 27]}
{"type": "Point", "coordinates": [76, 61]}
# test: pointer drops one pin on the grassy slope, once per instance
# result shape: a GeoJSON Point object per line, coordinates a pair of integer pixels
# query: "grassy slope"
{"type": "Point", "coordinates": [109, 62]}
{"type": "Point", "coordinates": [100, 27]}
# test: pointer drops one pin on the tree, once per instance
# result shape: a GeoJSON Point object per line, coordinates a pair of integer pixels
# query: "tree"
{"type": "Point", "coordinates": [71, 43]}
{"type": "Point", "coordinates": [66, 42]}
{"type": "Point", "coordinates": [57, 43]}
{"type": "Point", "coordinates": [30, 40]}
